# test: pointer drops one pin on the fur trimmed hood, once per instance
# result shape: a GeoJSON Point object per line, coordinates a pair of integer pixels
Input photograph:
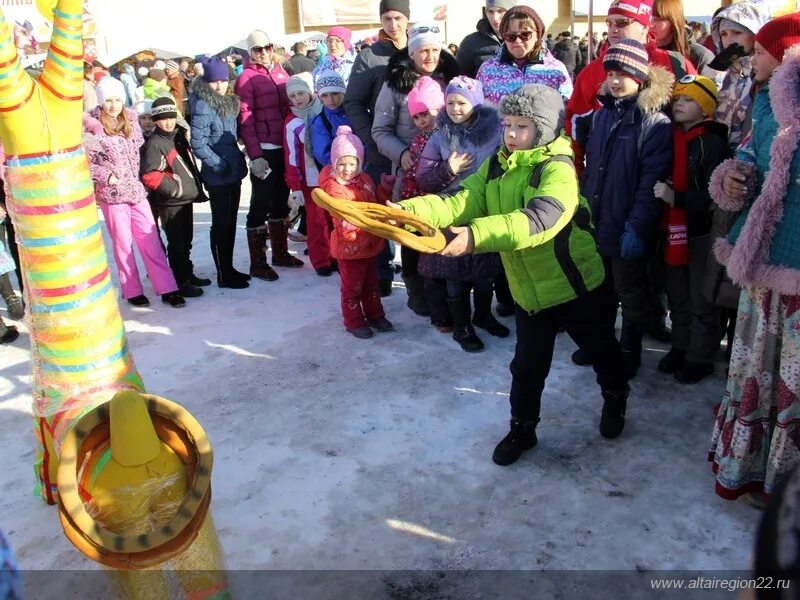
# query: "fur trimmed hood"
{"type": "Point", "coordinates": [656, 91]}
{"type": "Point", "coordinates": [748, 258]}
{"type": "Point", "coordinates": [401, 76]}
{"type": "Point", "coordinates": [225, 106]}
{"type": "Point", "coordinates": [484, 128]}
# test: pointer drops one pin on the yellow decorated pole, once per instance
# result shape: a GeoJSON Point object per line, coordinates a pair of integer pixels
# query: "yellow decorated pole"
{"type": "Point", "coordinates": [79, 348]}
{"type": "Point", "coordinates": [80, 353]}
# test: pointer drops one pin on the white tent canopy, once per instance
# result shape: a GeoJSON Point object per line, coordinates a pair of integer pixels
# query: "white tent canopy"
{"type": "Point", "coordinates": [202, 29]}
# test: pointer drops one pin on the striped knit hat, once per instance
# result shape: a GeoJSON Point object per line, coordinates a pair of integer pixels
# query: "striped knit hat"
{"type": "Point", "coordinates": [630, 57]}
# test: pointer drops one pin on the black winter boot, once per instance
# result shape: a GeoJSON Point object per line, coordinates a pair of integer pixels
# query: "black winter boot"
{"type": "Point", "coordinates": [612, 419]}
{"type": "Point", "coordinates": [463, 332]}
{"type": "Point", "coordinates": [14, 304]}
{"type": "Point", "coordinates": [521, 437]}
{"type": "Point", "coordinates": [485, 319]}
{"type": "Point", "coordinates": [630, 342]}
{"type": "Point", "coordinates": [581, 358]}
{"type": "Point", "coordinates": [694, 372]}
{"type": "Point", "coordinates": [415, 288]}
{"type": "Point", "coordinates": [672, 361]}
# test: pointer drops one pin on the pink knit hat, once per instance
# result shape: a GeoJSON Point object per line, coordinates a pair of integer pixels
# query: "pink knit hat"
{"type": "Point", "coordinates": [346, 143]}
{"type": "Point", "coordinates": [343, 33]}
{"type": "Point", "coordinates": [425, 95]}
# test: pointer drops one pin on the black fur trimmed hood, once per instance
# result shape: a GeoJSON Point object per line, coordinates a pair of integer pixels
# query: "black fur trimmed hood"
{"type": "Point", "coordinates": [401, 76]}
{"type": "Point", "coordinates": [484, 128]}
{"type": "Point", "coordinates": [225, 106]}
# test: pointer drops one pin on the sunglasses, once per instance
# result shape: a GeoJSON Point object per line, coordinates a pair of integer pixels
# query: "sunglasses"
{"type": "Point", "coordinates": [424, 29]}
{"type": "Point", "coordinates": [259, 49]}
{"type": "Point", "coordinates": [522, 36]}
{"type": "Point", "coordinates": [619, 23]}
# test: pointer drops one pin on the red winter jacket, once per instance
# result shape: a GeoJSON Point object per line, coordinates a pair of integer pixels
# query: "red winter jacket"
{"type": "Point", "coordinates": [348, 242]}
{"type": "Point", "coordinates": [264, 106]}
{"type": "Point", "coordinates": [300, 170]}
{"type": "Point", "coordinates": [583, 102]}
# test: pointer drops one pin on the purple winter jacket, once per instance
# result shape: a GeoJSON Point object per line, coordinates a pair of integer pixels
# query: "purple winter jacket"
{"type": "Point", "coordinates": [264, 106]}
{"type": "Point", "coordinates": [114, 155]}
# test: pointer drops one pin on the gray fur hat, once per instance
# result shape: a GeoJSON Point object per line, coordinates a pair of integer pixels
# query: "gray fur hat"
{"type": "Point", "coordinates": [539, 103]}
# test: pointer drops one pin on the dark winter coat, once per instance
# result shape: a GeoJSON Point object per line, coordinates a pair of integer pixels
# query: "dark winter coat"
{"type": "Point", "coordinates": [704, 154]}
{"type": "Point", "coordinates": [478, 47]}
{"type": "Point", "coordinates": [322, 133]}
{"type": "Point", "coordinates": [629, 150]}
{"type": "Point", "coordinates": [168, 169]}
{"type": "Point", "coordinates": [567, 52]}
{"type": "Point", "coordinates": [480, 138]}
{"type": "Point", "coordinates": [366, 79]}
{"type": "Point", "coordinates": [300, 63]}
{"type": "Point", "coordinates": [393, 128]}
{"type": "Point", "coordinates": [214, 135]}
{"type": "Point", "coordinates": [264, 106]}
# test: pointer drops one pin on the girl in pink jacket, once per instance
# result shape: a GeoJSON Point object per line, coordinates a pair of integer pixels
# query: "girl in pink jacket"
{"type": "Point", "coordinates": [113, 139]}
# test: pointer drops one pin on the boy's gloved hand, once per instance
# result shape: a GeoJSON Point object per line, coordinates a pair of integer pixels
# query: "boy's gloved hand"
{"type": "Point", "coordinates": [298, 198]}
{"type": "Point", "coordinates": [724, 59]}
{"type": "Point", "coordinates": [631, 245]}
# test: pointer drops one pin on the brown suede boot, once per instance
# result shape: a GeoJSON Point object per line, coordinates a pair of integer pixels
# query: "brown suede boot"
{"type": "Point", "coordinates": [256, 238]}
{"type": "Point", "coordinates": [280, 246]}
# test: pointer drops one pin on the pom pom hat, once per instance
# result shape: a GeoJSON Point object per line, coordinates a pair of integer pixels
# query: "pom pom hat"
{"type": "Point", "coordinates": [346, 143]}
{"type": "Point", "coordinates": [426, 95]}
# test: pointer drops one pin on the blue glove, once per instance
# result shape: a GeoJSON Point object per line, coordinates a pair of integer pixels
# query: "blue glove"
{"type": "Point", "coordinates": [631, 245]}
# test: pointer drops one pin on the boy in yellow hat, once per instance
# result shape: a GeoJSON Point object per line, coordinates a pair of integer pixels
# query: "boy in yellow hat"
{"type": "Point", "coordinates": [700, 145]}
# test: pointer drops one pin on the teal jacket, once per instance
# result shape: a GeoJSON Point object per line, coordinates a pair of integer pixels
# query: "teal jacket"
{"type": "Point", "coordinates": [543, 234]}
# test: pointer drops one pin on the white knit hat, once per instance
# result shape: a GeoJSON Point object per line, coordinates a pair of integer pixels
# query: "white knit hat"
{"type": "Point", "coordinates": [109, 87]}
{"type": "Point", "coordinates": [425, 34]}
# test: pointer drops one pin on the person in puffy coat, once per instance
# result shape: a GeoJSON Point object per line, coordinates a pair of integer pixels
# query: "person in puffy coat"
{"type": "Point", "coordinates": [524, 203]}
{"type": "Point", "coordinates": [468, 134]}
{"type": "Point", "coordinates": [756, 437]}
{"type": "Point", "coordinates": [354, 248]}
{"type": "Point", "coordinates": [264, 105]}
{"type": "Point", "coordinates": [170, 173]}
{"type": "Point", "coordinates": [629, 150]}
{"type": "Point", "coordinates": [481, 45]}
{"type": "Point", "coordinates": [113, 141]}
{"type": "Point", "coordinates": [214, 142]}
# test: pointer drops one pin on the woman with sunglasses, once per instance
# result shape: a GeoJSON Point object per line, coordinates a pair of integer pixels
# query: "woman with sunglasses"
{"type": "Point", "coordinates": [264, 106]}
{"type": "Point", "coordinates": [341, 54]}
{"type": "Point", "coordinates": [522, 59]}
{"type": "Point", "coordinates": [393, 128]}
{"type": "Point", "coordinates": [668, 25]}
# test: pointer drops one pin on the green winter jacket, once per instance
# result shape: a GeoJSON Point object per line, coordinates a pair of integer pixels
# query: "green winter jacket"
{"type": "Point", "coordinates": [543, 234]}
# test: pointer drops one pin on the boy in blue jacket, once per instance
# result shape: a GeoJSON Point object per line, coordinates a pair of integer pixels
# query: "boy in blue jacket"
{"type": "Point", "coordinates": [629, 150]}
{"type": "Point", "coordinates": [330, 88]}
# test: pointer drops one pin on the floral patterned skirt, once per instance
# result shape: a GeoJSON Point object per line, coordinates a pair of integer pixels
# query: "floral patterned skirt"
{"type": "Point", "coordinates": [756, 435]}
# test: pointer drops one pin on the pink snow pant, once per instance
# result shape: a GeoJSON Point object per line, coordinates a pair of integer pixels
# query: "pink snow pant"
{"type": "Point", "coordinates": [129, 223]}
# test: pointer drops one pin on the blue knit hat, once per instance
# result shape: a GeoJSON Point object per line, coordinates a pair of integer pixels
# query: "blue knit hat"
{"type": "Point", "coordinates": [215, 70]}
{"type": "Point", "coordinates": [329, 81]}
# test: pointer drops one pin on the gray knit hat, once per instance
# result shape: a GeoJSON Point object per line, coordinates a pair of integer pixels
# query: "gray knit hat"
{"type": "Point", "coordinates": [539, 103]}
{"type": "Point", "coordinates": [507, 4]}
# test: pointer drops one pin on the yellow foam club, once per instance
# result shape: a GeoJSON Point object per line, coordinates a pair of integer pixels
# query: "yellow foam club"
{"type": "Point", "coordinates": [137, 459]}
{"type": "Point", "coordinates": [384, 221]}
{"type": "Point", "coordinates": [46, 8]}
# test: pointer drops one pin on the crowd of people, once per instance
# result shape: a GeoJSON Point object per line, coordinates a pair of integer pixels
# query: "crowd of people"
{"type": "Point", "coordinates": [658, 177]}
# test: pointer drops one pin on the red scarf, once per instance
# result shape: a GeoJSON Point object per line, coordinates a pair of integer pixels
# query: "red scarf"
{"type": "Point", "coordinates": [676, 252]}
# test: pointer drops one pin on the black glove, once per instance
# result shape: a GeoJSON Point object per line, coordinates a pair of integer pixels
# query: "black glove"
{"type": "Point", "coordinates": [724, 59]}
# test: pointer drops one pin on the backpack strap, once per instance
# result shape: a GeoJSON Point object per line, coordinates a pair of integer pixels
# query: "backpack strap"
{"type": "Point", "coordinates": [495, 169]}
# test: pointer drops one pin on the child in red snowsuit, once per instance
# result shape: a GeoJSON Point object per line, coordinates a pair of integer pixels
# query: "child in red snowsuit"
{"type": "Point", "coordinates": [354, 248]}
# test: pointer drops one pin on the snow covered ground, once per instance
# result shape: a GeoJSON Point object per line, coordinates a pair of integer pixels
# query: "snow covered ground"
{"type": "Point", "coordinates": [338, 453]}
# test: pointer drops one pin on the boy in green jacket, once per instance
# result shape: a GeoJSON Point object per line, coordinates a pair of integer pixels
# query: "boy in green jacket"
{"type": "Point", "coordinates": [524, 203]}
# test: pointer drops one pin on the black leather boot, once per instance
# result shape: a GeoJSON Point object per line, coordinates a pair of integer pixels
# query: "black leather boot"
{"type": "Point", "coordinates": [463, 332]}
{"type": "Point", "coordinates": [521, 437]}
{"type": "Point", "coordinates": [612, 419]}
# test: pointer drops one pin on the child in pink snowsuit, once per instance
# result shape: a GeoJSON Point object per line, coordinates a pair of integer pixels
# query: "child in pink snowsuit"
{"type": "Point", "coordinates": [113, 139]}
